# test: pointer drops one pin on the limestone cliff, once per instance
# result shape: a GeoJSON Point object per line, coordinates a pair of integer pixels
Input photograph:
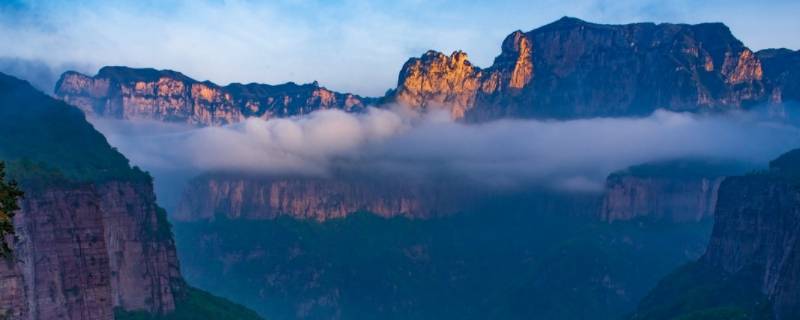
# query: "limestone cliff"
{"type": "Point", "coordinates": [575, 69]}
{"type": "Point", "coordinates": [165, 95]}
{"type": "Point", "coordinates": [13, 300]}
{"type": "Point", "coordinates": [84, 250]}
{"type": "Point", "coordinates": [567, 69]}
{"type": "Point", "coordinates": [240, 196]}
{"type": "Point", "coordinates": [751, 267]}
{"type": "Point", "coordinates": [628, 198]}
{"type": "Point", "coordinates": [90, 239]}
{"type": "Point", "coordinates": [437, 81]}
{"type": "Point", "coordinates": [673, 191]}
{"type": "Point", "coordinates": [757, 231]}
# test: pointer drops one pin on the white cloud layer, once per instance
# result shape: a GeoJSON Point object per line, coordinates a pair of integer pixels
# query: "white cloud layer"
{"type": "Point", "coordinates": [575, 154]}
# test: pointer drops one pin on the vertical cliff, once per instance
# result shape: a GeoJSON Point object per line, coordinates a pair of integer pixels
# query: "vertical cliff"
{"type": "Point", "coordinates": [675, 191]}
{"type": "Point", "coordinates": [13, 299]}
{"type": "Point", "coordinates": [84, 250]}
{"type": "Point", "coordinates": [165, 95]}
{"type": "Point", "coordinates": [757, 231]}
{"type": "Point", "coordinates": [247, 197]}
{"type": "Point", "coordinates": [751, 267]}
{"type": "Point", "coordinates": [90, 237]}
{"type": "Point", "coordinates": [628, 198]}
{"type": "Point", "coordinates": [140, 248]}
{"type": "Point", "coordinates": [90, 240]}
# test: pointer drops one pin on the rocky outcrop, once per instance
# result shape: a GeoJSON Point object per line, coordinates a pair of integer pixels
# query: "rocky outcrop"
{"type": "Point", "coordinates": [437, 81]}
{"type": "Point", "coordinates": [240, 197]}
{"type": "Point", "coordinates": [454, 84]}
{"type": "Point", "coordinates": [575, 69]}
{"type": "Point", "coordinates": [165, 95]}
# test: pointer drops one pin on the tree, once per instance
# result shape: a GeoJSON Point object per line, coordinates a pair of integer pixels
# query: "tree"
{"type": "Point", "coordinates": [9, 194]}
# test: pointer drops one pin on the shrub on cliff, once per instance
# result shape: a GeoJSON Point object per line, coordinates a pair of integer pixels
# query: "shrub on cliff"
{"type": "Point", "coordinates": [9, 193]}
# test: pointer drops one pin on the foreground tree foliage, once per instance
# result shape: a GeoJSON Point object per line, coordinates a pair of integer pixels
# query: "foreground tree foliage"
{"type": "Point", "coordinates": [9, 193]}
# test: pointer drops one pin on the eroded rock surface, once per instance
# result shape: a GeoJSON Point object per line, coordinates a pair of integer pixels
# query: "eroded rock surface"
{"type": "Point", "coordinates": [83, 251]}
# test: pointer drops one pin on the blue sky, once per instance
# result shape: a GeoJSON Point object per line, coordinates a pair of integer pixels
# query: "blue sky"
{"type": "Point", "coordinates": [348, 45]}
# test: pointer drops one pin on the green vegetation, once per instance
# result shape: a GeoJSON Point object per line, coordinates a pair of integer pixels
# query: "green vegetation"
{"type": "Point", "coordinates": [46, 141]}
{"type": "Point", "coordinates": [195, 304]}
{"type": "Point", "coordinates": [698, 292]}
{"type": "Point", "coordinates": [507, 260]}
{"type": "Point", "coordinates": [9, 193]}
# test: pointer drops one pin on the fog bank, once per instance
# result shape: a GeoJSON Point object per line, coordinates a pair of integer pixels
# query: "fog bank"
{"type": "Point", "coordinates": [574, 155]}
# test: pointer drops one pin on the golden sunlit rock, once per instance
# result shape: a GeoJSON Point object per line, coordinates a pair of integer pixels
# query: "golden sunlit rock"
{"type": "Point", "coordinates": [437, 81]}
{"type": "Point", "coordinates": [167, 95]}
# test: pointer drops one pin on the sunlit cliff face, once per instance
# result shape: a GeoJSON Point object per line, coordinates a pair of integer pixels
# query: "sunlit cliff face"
{"type": "Point", "coordinates": [568, 69]}
{"type": "Point", "coordinates": [522, 72]}
{"type": "Point", "coordinates": [437, 81]}
{"type": "Point", "coordinates": [575, 69]}
{"type": "Point", "coordinates": [742, 69]}
{"type": "Point", "coordinates": [125, 93]}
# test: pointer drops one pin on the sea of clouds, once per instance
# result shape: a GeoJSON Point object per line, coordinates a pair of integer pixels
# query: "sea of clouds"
{"type": "Point", "coordinates": [572, 154]}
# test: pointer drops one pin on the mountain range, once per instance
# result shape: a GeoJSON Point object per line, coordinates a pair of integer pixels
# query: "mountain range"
{"type": "Point", "coordinates": [567, 69]}
{"type": "Point", "coordinates": [92, 243]}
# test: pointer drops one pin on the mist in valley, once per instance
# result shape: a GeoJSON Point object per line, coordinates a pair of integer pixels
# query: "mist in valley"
{"type": "Point", "coordinates": [574, 155]}
{"type": "Point", "coordinates": [491, 255]}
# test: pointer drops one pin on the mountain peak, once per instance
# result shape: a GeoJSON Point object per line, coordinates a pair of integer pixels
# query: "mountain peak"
{"type": "Point", "coordinates": [566, 22]}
